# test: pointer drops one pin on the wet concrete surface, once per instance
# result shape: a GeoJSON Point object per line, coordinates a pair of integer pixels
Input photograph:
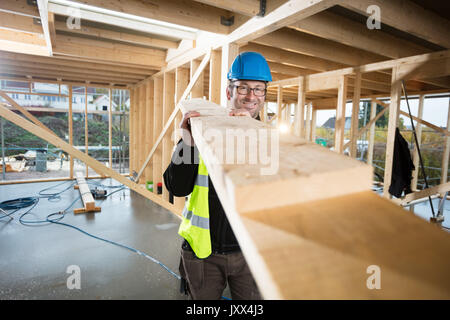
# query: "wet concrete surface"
{"type": "Point", "coordinates": [34, 260]}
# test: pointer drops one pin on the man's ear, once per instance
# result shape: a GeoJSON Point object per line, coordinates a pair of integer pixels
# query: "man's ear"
{"type": "Point", "coordinates": [229, 93]}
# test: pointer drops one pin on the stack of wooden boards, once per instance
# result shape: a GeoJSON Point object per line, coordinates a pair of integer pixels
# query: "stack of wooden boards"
{"type": "Point", "coordinates": [313, 229]}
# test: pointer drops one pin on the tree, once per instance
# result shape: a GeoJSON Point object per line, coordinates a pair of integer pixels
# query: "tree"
{"type": "Point", "coordinates": [364, 114]}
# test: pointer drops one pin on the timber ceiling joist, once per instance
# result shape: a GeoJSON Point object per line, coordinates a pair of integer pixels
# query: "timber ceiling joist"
{"type": "Point", "coordinates": [125, 42]}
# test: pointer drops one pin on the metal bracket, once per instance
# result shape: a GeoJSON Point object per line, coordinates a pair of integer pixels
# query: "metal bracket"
{"type": "Point", "coordinates": [227, 21]}
{"type": "Point", "coordinates": [262, 8]}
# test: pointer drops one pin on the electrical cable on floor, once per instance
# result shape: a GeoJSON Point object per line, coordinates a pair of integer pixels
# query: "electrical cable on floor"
{"type": "Point", "coordinates": [22, 203]}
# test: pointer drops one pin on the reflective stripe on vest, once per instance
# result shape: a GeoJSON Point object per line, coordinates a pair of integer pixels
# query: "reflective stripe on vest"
{"type": "Point", "coordinates": [195, 224]}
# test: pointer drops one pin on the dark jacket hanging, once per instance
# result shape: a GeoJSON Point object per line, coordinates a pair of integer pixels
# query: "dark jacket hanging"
{"type": "Point", "coordinates": [402, 167]}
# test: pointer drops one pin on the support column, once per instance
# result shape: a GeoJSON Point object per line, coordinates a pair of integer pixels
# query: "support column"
{"type": "Point", "coordinates": [197, 89]}
{"type": "Point", "coordinates": [214, 76]}
{"type": "Point", "coordinates": [229, 52]}
{"type": "Point", "coordinates": [279, 111]}
{"type": "Point", "coordinates": [415, 173]}
{"type": "Point", "coordinates": [444, 172]}
{"type": "Point", "coordinates": [70, 130]}
{"type": "Point", "coordinates": [149, 88]}
{"type": "Point", "coordinates": [313, 124]}
{"type": "Point", "coordinates": [355, 116]}
{"type": "Point", "coordinates": [168, 107]}
{"type": "Point", "coordinates": [394, 111]}
{"type": "Point", "coordinates": [340, 115]}
{"type": "Point", "coordinates": [373, 113]}
{"type": "Point", "coordinates": [308, 121]}
{"type": "Point", "coordinates": [300, 109]}
{"type": "Point", "coordinates": [157, 128]}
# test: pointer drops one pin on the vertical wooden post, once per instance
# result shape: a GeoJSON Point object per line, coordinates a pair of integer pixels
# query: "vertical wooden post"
{"type": "Point", "coordinates": [157, 127]}
{"type": "Point", "coordinates": [415, 173]}
{"type": "Point", "coordinates": [110, 128]}
{"type": "Point", "coordinates": [214, 76]}
{"type": "Point", "coordinates": [168, 107]}
{"type": "Point", "coordinates": [355, 115]}
{"type": "Point", "coordinates": [394, 111]}
{"type": "Point", "coordinates": [70, 129]}
{"type": "Point", "coordinates": [197, 89]}
{"type": "Point", "coordinates": [86, 129]}
{"type": "Point", "coordinates": [132, 122]}
{"type": "Point", "coordinates": [340, 115]}
{"type": "Point", "coordinates": [149, 127]}
{"type": "Point", "coordinates": [313, 124]}
{"type": "Point", "coordinates": [444, 167]}
{"type": "Point", "coordinates": [373, 113]}
{"type": "Point", "coordinates": [141, 128]}
{"type": "Point", "coordinates": [300, 109]}
{"type": "Point", "coordinates": [308, 121]}
{"type": "Point", "coordinates": [229, 52]}
{"type": "Point", "coordinates": [279, 112]}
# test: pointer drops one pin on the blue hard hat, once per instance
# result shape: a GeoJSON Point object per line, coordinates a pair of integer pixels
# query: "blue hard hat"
{"type": "Point", "coordinates": [250, 66]}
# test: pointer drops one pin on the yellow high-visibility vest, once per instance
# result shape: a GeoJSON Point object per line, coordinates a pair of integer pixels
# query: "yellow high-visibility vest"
{"type": "Point", "coordinates": [195, 224]}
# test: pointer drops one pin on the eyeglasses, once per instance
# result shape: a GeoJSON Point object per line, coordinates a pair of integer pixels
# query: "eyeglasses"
{"type": "Point", "coordinates": [244, 90]}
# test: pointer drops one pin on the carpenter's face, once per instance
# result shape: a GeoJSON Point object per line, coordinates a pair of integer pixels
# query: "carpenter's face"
{"type": "Point", "coordinates": [241, 97]}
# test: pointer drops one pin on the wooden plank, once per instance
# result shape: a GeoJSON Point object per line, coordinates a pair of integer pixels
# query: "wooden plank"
{"type": "Point", "coordinates": [24, 112]}
{"type": "Point", "coordinates": [197, 89]}
{"type": "Point", "coordinates": [321, 241]}
{"type": "Point", "coordinates": [280, 176]}
{"type": "Point", "coordinates": [439, 189]}
{"type": "Point", "coordinates": [322, 250]}
{"type": "Point", "coordinates": [149, 105]}
{"type": "Point", "coordinates": [86, 195]}
{"type": "Point", "coordinates": [89, 161]}
{"type": "Point", "coordinates": [229, 53]}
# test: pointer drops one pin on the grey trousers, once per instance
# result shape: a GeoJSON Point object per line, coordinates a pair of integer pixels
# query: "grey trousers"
{"type": "Point", "coordinates": [207, 278]}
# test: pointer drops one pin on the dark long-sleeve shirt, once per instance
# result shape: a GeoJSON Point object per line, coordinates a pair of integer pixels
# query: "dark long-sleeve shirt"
{"type": "Point", "coordinates": [179, 179]}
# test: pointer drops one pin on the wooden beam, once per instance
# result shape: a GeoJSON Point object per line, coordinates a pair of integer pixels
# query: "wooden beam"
{"type": "Point", "coordinates": [418, 128]}
{"type": "Point", "coordinates": [118, 36]}
{"type": "Point", "coordinates": [446, 153]}
{"type": "Point", "coordinates": [19, 23]}
{"type": "Point", "coordinates": [439, 189]}
{"type": "Point", "coordinates": [168, 108]}
{"type": "Point", "coordinates": [215, 76]}
{"type": "Point", "coordinates": [307, 44]}
{"type": "Point", "coordinates": [340, 115]}
{"type": "Point", "coordinates": [409, 17]}
{"type": "Point", "coordinates": [157, 136]}
{"type": "Point", "coordinates": [373, 113]}
{"type": "Point", "coordinates": [355, 34]}
{"type": "Point", "coordinates": [25, 112]}
{"type": "Point", "coordinates": [89, 161]}
{"type": "Point", "coordinates": [229, 53]}
{"type": "Point", "coordinates": [394, 110]}
{"type": "Point", "coordinates": [108, 52]}
{"type": "Point", "coordinates": [295, 232]}
{"type": "Point", "coordinates": [20, 7]}
{"type": "Point", "coordinates": [355, 115]}
{"type": "Point", "coordinates": [192, 15]}
{"type": "Point", "coordinates": [43, 12]}
{"type": "Point", "coordinates": [86, 196]}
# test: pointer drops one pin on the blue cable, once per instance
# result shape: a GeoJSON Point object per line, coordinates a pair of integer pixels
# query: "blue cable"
{"type": "Point", "coordinates": [21, 203]}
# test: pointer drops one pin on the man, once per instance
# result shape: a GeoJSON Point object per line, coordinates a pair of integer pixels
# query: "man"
{"type": "Point", "coordinates": [210, 255]}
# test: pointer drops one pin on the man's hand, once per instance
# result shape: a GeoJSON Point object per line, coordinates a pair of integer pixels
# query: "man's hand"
{"type": "Point", "coordinates": [239, 112]}
{"type": "Point", "coordinates": [185, 127]}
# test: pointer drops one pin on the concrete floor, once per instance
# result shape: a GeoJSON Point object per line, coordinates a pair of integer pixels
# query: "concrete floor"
{"type": "Point", "coordinates": [34, 260]}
